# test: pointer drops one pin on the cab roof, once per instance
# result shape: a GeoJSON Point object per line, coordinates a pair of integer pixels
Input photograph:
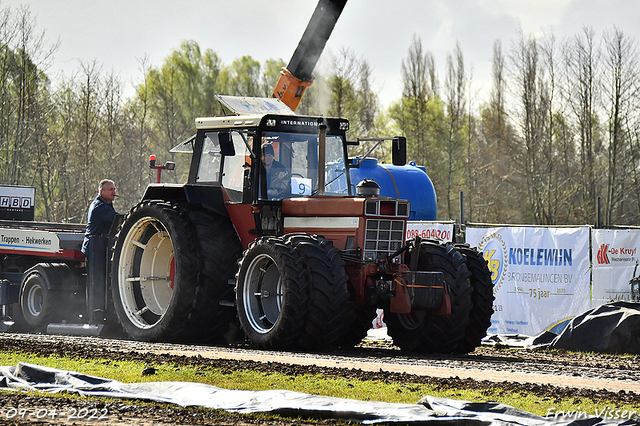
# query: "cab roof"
{"type": "Point", "coordinates": [243, 111]}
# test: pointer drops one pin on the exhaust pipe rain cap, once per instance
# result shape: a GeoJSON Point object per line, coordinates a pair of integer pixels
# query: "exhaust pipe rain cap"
{"type": "Point", "coordinates": [368, 188]}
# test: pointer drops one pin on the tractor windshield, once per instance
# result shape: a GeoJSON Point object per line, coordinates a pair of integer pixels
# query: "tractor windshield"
{"type": "Point", "coordinates": [291, 164]}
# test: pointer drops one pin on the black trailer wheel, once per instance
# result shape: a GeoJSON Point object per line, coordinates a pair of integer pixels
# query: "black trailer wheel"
{"type": "Point", "coordinates": [272, 294]}
{"type": "Point", "coordinates": [328, 292]}
{"type": "Point", "coordinates": [39, 305]}
{"type": "Point", "coordinates": [218, 252]}
{"type": "Point", "coordinates": [482, 299]}
{"type": "Point", "coordinates": [420, 330]}
{"type": "Point", "coordinates": [154, 273]}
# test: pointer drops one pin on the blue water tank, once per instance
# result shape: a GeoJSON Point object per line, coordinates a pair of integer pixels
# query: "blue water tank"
{"type": "Point", "coordinates": [409, 182]}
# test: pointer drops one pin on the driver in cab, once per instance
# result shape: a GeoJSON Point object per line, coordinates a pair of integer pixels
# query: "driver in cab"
{"type": "Point", "coordinates": [276, 173]}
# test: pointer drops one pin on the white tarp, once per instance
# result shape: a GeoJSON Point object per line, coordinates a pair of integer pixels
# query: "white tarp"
{"type": "Point", "coordinates": [286, 403]}
{"type": "Point", "coordinates": [540, 275]}
{"type": "Point", "coordinates": [615, 265]}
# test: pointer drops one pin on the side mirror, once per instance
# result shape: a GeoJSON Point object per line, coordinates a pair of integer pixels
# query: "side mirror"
{"type": "Point", "coordinates": [226, 144]}
{"type": "Point", "coordinates": [399, 151]}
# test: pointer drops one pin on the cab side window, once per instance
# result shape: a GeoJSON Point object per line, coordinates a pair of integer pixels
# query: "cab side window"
{"type": "Point", "coordinates": [210, 160]}
{"type": "Point", "coordinates": [233, 173]}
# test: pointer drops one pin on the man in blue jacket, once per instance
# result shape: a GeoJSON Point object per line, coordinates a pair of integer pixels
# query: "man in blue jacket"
{"type": "Point", "coordinates": [95, 248]}
{"type": "Point", "coordinates": [101, 213]}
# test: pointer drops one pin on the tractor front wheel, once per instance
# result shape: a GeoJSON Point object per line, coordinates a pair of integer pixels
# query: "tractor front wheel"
{"type": "Point", "coordinates": [272, 294]}
{"type": "Point", "coordinates": [327, 287]}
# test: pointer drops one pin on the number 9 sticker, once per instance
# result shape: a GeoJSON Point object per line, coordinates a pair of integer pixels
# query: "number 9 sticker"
{"type": "Point", "coordinates": [302, 186]}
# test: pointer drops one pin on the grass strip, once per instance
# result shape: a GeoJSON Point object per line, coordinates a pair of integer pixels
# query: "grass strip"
{"type": "Point", "coordinates": [129, 371]}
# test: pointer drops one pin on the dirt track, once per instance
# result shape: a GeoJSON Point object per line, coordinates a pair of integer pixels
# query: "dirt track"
{"type": "Point", "coordinates": [550, 374]}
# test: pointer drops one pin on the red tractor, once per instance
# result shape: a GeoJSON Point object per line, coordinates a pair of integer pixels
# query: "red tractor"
{"type": "Point", "coordinates": [303, 254]}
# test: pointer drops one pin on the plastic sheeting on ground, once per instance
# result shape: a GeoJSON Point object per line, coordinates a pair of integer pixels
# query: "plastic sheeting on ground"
{"type": "Point", "coordinates": [428, 410]}
{"type": "Point", "coordinates": [609, 328]}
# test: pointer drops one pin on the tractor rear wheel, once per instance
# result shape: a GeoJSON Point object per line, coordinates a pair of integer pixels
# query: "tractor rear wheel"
{"type": "Point", "coordinates": [218, 252]}
{"type": "Point", "coordinates": [154, 273]}
{"type": "Point", "coordinates": [272, 293]}
{"type": "Point", "coordinates": [482, 299]}
{"type": "Point", "coordinates": [327, 287]}
{"type": "Point", "coordinates": [422, 331]}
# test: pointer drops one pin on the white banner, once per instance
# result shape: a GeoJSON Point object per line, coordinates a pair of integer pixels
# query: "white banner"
{"type": "Point", "coordinates": [541, 275]}
{"type": "Point", "coordinates": [429, 229]}
{"type": "Point", "coordinates": [29, 240]}
{"type": "Point", "coordinates": [615, 275]}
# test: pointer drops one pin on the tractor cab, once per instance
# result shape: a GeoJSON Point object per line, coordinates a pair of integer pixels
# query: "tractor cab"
{"type": "Point", "coordinates": [274, 159]}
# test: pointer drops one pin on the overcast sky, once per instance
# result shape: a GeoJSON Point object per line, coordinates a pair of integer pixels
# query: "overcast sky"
{"type": "Point", "coordinates": [117, 33]}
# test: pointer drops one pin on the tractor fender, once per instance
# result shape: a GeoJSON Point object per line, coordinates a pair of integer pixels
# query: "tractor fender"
{"type": "Point", "coordinates": [209, 196]}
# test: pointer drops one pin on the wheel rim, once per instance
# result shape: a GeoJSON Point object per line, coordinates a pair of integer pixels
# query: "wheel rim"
{"type": "Point", "coordinates": [34, 300]}
{"type": "Point", "coordinates": [263, 293]}
{"type": "Point", "coordinates": [146, 273]}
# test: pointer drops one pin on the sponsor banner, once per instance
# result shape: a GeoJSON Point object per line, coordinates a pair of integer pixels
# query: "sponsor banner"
{"type": "Point", "coordinates": [17, 202]}
{"type": "Point", "coordinates": [29, 240]}
{"type": "Point", "coordinates": [540, 275]}
{"type": "Point", "coordinates": [615, 274]}
{"type": "Point", "coordinates": [429, 229]}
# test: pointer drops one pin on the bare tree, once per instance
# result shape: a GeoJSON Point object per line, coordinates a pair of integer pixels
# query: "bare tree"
{"type": "Point", "coordinates": [620, 91]}
{"type": "Point", "coordinates": [420, 117]}
{"type": "Point", "coordinates": [455, 104]}
{"type": "Point", "coordinates": [25, 57]}
{"type": "Point", "coordinates": [555, 180]}
{"type": "Point", "coordinates": [581, 59]}
{"type": "Point", "coordinates": [497, 149]}
{"type": "Point", "coordinates": [368, 100]}
{"type": "Point", "coordinates": [419, 87]}
{"type": "Point", "coordinates": [7, 34]}
{"type": "Point", "coordinates": [343, 84]}
{"type": "Point", "coordinates": [90, 124]}
{"type": "Point", "coordinates": [139, 118]}
{"type": "Point", "coordinates": [526, 69]}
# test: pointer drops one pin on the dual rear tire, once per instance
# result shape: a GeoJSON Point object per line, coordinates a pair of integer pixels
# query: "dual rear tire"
{"type": "Point", "coordinates": [170, 270]}
{"type": "Point", "coordinates": [291, 293]}
{"type": "Point", "coordinates": [471, 294]}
